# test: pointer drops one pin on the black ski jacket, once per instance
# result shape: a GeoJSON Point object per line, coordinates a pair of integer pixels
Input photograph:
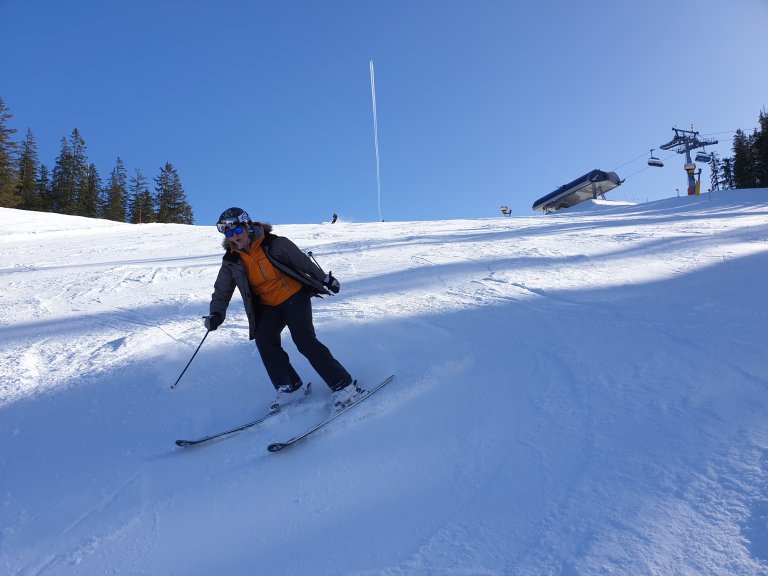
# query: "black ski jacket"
{"type": "Point", "coordinates": [284, 255]}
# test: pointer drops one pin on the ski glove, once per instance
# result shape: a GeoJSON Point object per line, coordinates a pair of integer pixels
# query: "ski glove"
{"type": "Point", "coordinates": [331, 283]}
{"type": "Point", "coordinates": [213, 321]}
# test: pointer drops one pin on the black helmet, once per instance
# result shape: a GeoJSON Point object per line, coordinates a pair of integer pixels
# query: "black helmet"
{"type": "Point", "coordinates": [232, 216]}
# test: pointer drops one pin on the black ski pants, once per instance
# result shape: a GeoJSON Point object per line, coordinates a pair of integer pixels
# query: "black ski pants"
{"type": "Point", "coordinates": [296, 314]}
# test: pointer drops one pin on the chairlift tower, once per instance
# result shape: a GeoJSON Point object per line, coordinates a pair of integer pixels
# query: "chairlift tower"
{"type": "Point", "coordinates": [683, 142]}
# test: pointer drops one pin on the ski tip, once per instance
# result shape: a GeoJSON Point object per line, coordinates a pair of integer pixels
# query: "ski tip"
{"type": "Point", "coordinates": [276, 446]}
{"type": "Point", "coordinates": [183, 443]}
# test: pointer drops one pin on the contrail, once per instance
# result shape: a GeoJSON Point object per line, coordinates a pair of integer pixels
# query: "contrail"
{"type": "Point", "coordinates": [376, 140]}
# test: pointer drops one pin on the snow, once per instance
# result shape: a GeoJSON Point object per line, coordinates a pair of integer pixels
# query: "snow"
{"type": "Point", "coordinates": [578, 393]}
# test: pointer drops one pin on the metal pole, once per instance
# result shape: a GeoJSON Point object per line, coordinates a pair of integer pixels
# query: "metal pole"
{"type": "Point", "coordinates": [691, 177]}
{"type": "Point", "coordinates": [190, 360]}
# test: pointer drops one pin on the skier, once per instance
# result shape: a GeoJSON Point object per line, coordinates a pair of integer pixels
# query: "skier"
{"type": "Point", "coordinates": [276, 281]}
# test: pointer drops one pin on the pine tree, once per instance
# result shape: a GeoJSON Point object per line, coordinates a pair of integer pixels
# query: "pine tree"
{"type": "Point", "coordinates": [172, 205]}
{"type": "Point", "coordinates": [744, 173]}
{"type": "Point", "coordinates": [8, 148]}
{"type": "Point", "coordinates": [760, 151]}
{"type": "Point", "coordinates": [116, 194]}
{"type": "Point", "coordinates": [726, 174]}
{"type": "Point", "coordinates": [142, 204]}
{"type": "Point", "coordinates": [88, 200]}
{"type": "Point", "coordinates": [70, 175]}
{"type": "Point", "coordinates": [80, 171]}
{"type": "Point", "coordinates": [63, 181]}
{"type": "Point", "coordinates": [714, 171]}
{"type": "Point", "coordinates": [28, 170]}
{"type": "Point", "coordinates": [44, 192]}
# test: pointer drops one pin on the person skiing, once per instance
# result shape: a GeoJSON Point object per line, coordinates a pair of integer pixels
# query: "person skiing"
{"type": "Point", "coordinates": [276, 281]}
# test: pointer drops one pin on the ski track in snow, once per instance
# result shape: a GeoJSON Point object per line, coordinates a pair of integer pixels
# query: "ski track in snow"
{"type": "Point", "coordinates": [581, 393]}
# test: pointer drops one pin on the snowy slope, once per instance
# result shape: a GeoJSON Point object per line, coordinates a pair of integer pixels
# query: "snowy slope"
{"type": "Point", "coordinates": [581, 393]}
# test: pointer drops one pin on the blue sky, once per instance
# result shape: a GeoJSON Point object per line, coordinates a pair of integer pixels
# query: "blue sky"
{"type": "Point", "coordinates": [267, 105]}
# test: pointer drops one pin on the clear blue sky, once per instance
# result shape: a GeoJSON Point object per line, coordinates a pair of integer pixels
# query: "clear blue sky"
{"type": "Point", "coordinates": [267, 105]}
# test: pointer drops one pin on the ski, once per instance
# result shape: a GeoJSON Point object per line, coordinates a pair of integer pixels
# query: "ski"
{"type": "Point", "coordinates": [277, 446]}
{"type": "Point", "coordinates": [271, 412]}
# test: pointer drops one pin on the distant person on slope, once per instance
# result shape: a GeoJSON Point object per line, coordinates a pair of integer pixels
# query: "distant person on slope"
{"type": "Point", "coordinates": [276, 281]}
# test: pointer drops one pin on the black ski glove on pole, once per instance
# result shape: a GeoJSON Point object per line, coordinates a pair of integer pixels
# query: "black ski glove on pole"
{"type": "Point", "coordinates": [213, 321]}
{"type": "Point", "coordinates": [331, 283]}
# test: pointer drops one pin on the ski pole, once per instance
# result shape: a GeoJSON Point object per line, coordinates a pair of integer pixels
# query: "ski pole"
{"type": "Point", "coordinates": [309, 253]}
{"type": "Point", "coordinates": [193, 357]}
{"type": "Point", "coordinates": [313, 258]}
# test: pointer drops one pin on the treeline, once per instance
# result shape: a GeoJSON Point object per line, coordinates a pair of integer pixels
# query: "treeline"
{"type": "Point", "coordinates": [74, 186]}
{"type": "Point", "coordinates": [748, 167]}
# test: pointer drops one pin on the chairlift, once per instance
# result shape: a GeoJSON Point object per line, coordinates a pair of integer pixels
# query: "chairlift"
{"type": "Point", "coordinates": [702, 156]}
{"type": "Point", "coordinates": [653, 161]}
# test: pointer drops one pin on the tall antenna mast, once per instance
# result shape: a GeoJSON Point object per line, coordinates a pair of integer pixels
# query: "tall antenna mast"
{"type": "Point", "coordinates": [376, 140]}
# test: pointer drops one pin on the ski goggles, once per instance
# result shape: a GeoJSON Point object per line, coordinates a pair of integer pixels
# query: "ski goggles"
{"type": "Point", "coordinates": [229, 232]}
{"type": "Point", "coordinates": [229, 223]}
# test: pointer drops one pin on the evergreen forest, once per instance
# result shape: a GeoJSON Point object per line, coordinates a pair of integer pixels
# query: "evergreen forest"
{"type": "Point", "coordinates": [73, 185]}
{"type": "Point", "coordinates": [748, 166]}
